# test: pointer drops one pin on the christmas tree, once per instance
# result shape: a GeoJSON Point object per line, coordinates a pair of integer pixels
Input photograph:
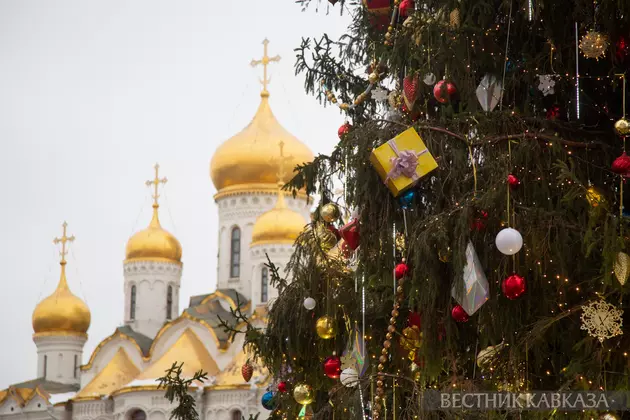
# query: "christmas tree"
{"type": "Point", "coordinates": [479, 241]}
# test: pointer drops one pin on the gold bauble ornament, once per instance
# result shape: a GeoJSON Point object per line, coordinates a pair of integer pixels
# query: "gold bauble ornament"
{"type": "Point", "coordinates": [622, 267]}
{"type": "Point", "coordinates": [326, 239]}
{"type": "Point", "coordinates": [394, 99]}
{"type": "Point", "coordinates": [373, 78]}
{"type": "Point", "coordinates": [594, 197]}
{"type": "Point", "coordinates": [444, 255]}
{"type": "Point", "coordinates": [329, 212]}
{"type": "Point", "coordinates": [401, 245]}
{"type": "Point", "coordinates": [303, 394]}
{"type": "Point", "coordinates": [622, 127]}
{"type": "Point", "coordinates": [486, 356]}
{"type": "Point", "coordinates": [608, 416]}
{"type": "Point", "coordinates": [410, 25]}
{"type": "Point", "coordinates": [594, 45]}
{"type": "Point", "coordinates": [454, 19]}
{"type": "Point", "coordinates": [412, 338]}
{"type": "Point", "coordinates": [326, 327]}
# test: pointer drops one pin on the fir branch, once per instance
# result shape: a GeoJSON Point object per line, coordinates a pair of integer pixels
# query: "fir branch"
{"type": "Point", "coordinates": [177, 388]}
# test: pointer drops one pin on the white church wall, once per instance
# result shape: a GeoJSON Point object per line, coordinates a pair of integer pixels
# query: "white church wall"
{"type": "Point", "coordinates": [59, 357]}
{"type": "Point", "coordinates": [151, 279]}
{"type": "Point", "coordinates": [242, 209]}
{"type": "Point", "coordinates": [279, 255]}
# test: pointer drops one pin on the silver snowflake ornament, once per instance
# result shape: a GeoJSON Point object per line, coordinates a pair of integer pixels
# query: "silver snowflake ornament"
{"type": "Point", "coordinates": [602, 320]}
{"type": "Point", "coordinates": [546, 84]}
{"type": "Point", "coordinates": [380, 94]}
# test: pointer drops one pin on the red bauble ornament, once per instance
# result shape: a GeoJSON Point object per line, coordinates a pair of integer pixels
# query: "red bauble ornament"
{"type": "Point", "coordinates": [459, 314]}
{"type": "Point", "coordinates": [553, 113]}
{"type": "Point", "coordinates": [621, 165]}
{"type": "Point", "coordinates": [444, 91]}
{"type": "Point", "coordinates": [623, 48]}
{"type": "Point", "coordinates": [479, 222]}
{"type": "Point", "coordinates": [247, 371]}
{"type": "Point", "coordinates": [401, 270]}
{"type": "Point", "coordinates": [513, 286]}
{"type": "Point", "coordinates": [513, 181]}
{"type": "Point", "coordinates": [343, 130]}
{"type": "Point", "coordinates": [282, 387]}
{"type": "Point", "coordinates": [350, 234]}
{"type": "Point", "coordinates": [332, 367]}
{"type": "Point", "coordinates": [414, 320]}
{"type": "Point", "coordinates": [405, 8]}
{"type": "Point", "coordinates": [380, 12]}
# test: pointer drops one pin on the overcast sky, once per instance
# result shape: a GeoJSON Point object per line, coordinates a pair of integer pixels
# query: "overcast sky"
{"type": "Point", "coordinates": [92, 94]}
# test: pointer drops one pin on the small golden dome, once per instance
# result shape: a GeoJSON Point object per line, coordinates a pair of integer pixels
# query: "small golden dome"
{"type": "Point", "coordinates": [153, 243]}
{"type": "Point", "coordinates": [62, 312]}
{"type": "Point", "coordinates": [279, 225]}
{"type": "Point", "coordinates": [249, 157]}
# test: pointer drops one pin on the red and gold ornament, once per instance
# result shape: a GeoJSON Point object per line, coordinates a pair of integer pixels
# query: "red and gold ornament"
{"type": "Point", "coordinates": [379, 11]}
{"type": "Point", "coordinates": [405, 8]}
{"type": "Point", "coordinates": [401, 270]}
{"type": "Point", "coordinates": [621, 165]}
{"type": "Point", "coordinates": [247, 371]}
{"type": "Point", "coordinates": [332, 367]}
{"type": "Point", "coordinates": [479, 222]}
{"type": "Point", "coordinates": [444, 91]}
{"type": "Point", "coordinates": [622, 48]}
{"type": "Point", "coordinates": [513, 286]}
{"type": "Point", "coordinates": [410, 91]}
{"type": "Point", "coordinates": [350, 234]}
{"type": "Point", "coordinates": [553, 113]}
{"type": "Point", "coordinates": [343, 130]}
{"type": "Point", "coordinates": [513, 181]}
{"type": "Point", "coordinates": [459, 314]}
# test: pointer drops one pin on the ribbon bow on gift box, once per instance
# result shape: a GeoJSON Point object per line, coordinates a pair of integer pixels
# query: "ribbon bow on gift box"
{"type": "Point", "coordinates": [405, 162]}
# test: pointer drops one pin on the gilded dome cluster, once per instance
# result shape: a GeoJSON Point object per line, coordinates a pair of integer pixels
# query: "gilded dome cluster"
{"type": "Point", "coordinates": [153, 244]}
{"type": "Point", "coordinates": [61, 313]}
{"type": "Point", "coordinates": [249, 160]}
{"type": "Point", "coordinates": [279, 225]}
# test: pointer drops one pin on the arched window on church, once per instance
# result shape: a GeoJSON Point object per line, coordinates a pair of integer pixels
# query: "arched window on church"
{"type": "Point", "coordinates": [132, 303]}
{"type": "Point", "coordinates": [235, 253]}
{"type": "Point", "coordinates": [45, 365]}
{"type": "Point", "coordinates": [264, 284]}
{"type": "Point", "coordinates": [138, 415]}
{"type": "Point", "coordinates": [237, 415]}
{"type": "Point", "coordinates": [76, 365]}
{"type": "Point", "coordinates": [169, 302]}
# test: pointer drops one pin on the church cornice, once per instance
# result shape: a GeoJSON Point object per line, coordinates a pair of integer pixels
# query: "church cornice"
{"type": "Point", "coordinates": [116, 334]}
{"type": "Point", "coordinates": [248, 189]}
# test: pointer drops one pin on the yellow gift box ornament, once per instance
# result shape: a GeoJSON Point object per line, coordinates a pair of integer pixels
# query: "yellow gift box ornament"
{"type": "Point", "coordinates": [402, 161]}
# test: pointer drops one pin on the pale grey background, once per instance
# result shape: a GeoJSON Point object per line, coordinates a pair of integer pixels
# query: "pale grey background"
{"type": "Point", "coordinates": [92, 94]}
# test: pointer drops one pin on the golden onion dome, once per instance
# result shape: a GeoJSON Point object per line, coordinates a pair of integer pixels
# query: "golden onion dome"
{"type": "Point", "coordinates": [153, 243]}
{"type": "Point", "coordinates": [61, 313]}
{"type": "Point", "coordinates": [279, 225]}
{"type": "Point", "coordinates": [248, 160]}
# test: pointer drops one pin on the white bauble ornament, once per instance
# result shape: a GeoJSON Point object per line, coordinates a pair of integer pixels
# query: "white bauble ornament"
{"type": "Point", "coordinates": [309, 303]}
{"type": "Point", "coordinates": [509, 241]}
{"type": "Point", "coordinates": [349, 378]}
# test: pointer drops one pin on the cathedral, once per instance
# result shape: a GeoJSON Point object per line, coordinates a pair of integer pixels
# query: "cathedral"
{"type": "Point", "coordinates": [118, 380]}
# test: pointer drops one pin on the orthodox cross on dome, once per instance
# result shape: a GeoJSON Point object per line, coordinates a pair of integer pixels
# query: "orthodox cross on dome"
{"type": "Point", "coordinates": [265, 62]}
{"type": "Point", "coordinates": [283, 159]}
{"type": "Point", "coordinates": [156, 183]}
{"type": "Point", "coordinates": [63, 240]}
